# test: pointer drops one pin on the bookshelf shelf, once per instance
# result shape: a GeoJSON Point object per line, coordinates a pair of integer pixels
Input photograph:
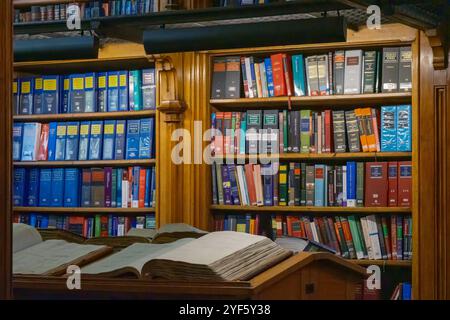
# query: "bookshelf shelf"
{"type": "Point", "coordinates": [389, 263]}
{"type": "Point", "coordinates": [323, 156]}
{"type": "Point", "coordinates": [343, 210]}
{"type": "Point", "coordinates": [89, 163]}
{"type": "Point", "coordinates": [317, 101]}
{"type": "Point", "coordinates": [84, 116]}
{"type": "Point", "coordinates": [27, 3]}
{"type": "Point", "coordinates": [79, 210]}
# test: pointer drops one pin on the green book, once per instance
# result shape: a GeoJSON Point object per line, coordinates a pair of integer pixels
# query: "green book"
{"type": "Point", "coordinates": [360, 184]}
{"type": "Point", "coordinates": [361, 236]}
{"type": "Point", "coordinates": [135, 90]}
{"type": "Point", "coordinates": [114, 188]}
{"type": "Point", "coordinates": [98, 225]}
{"type": "Point", "coordinates": [305, 116]}
{"type": "Point", "coordinates": [357, 241]}
{"type": "Point", "coordinates": [283, 189]}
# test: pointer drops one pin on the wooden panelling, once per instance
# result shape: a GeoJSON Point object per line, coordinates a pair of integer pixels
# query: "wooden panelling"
{"type": "Point", "coordinates": [5, 145]}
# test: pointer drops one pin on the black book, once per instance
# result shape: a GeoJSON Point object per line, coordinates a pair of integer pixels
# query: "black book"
{"type": "Point", "coordinates": [404, 70]}
{"type": "Point", "coordinates": [218, 78]}
{"type": "Point", "coordinates": [352, 131]}
{"type": "Point", "coordinates": [233, 78]}
{"type": "Point", "coordinates": [389, 81]}
{"type": "Point", "coordinates": [340, 144]}
{"type": "Point", "coordinates": [369, 71]}
{"type": "Point", "coordinates": [303, 184]}
{"type": "Point", "coordinates": [339, 71]}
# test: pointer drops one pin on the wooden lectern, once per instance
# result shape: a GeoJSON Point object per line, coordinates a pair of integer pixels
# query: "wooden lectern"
{"type": "Point", "coordinates": [303, 276]}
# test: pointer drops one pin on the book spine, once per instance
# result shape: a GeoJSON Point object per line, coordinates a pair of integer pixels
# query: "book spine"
{"type": "Point", "coordinates": [148, 89]}
{"type": "Point", "coordinates": [113, 91]}
{"type": "Point", "coordinates": [123, 91]}
{"type": "Point", "coordinates": [388, 128]}
{"type": "Point", "coordinates": [90, 92]}
{"type": "Point", "coordinates": [404, 128]}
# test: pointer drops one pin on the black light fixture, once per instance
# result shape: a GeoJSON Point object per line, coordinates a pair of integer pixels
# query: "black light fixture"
{"type": "Point", "coordinates": [313, 30]}
{"type": "Point", "coordinates": [63, 48]}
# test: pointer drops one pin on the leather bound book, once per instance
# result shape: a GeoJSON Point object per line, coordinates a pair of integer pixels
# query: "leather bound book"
{"type": "Point", "coordinates": [404, 184]}
{"type": "Point", "coordinates": [376, 184]}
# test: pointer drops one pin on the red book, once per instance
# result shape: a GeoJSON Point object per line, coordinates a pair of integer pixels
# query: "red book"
{"type": "Point", "coordinates": [103, 226]}
{"type": "Point", "coordinates": [142, 187]}
{"type": "Point", "coordinates": [328, 139]}
{"type": "Point", "coordinates": [404, 184]}
{"type": "Point", "coordinates": [287, 74]}
{"type": "Point", "coordinates": [392, 177]}
{"type": "Point", "coordinates": [130, 187]}
{"type": "Point", "coordinates": [43, 143]}
{"type": "Point", "coordinates": [376, 184]}
{"type": "Point", "coordinates": [250, 183]}
{"type": "Point", "coordinates": [279, 222]}
{"type": "Point", "coordinates": [279, 81]}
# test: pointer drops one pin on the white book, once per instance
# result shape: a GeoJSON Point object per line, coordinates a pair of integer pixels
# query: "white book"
{"type": "Point", "coordinates": [248, 73]}
{"type": "Point", "coordinates": [344, 186]}
{"type": "Point", "coordinates": [353, 70]}
{"type": "Point", "coordinates": [366, 238]}
{"type": "Point", "coordinates": [373, 235]}
{"type": "Point", "coordinates": [125, 197]}
{"type": "Point", "coordinates": [242, 186]}
{"type": "Point", "coordinates": [262, 74]}
{"type": "Point", "coordinates": [314, 231]}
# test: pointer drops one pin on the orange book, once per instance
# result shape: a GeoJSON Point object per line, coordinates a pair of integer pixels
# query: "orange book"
{"type": "Point", "coordinates": [375, 129]}
{"type": "Point", "coordinates": [370, 134]}
{"type": "Point", "coordinates": [258, 80]}
{"type": "Point", "coordinates": [142, 181]}
{"type": "Point", "coordinates": [250, 183]}
{"type": "Point", "coordinates": [348, 238]}
{"type": "Point", "coordinates": [258, 185]}
{"type": "Point", "coordinates": [362, 130]}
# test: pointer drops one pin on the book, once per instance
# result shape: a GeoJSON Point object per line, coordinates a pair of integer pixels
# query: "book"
{"type": "Point", "coordinates": [96, 140]}
{"type": "Point", "coordinates": [269, 75]}
{"type": "Point", "coordinates": [86, 187]}
{"type": "Point", "coordinates": [390, 71]}
{"type": "Point", "coordinates": [146, 138]}
{"type": "Point", "coordinates": [65, 97]}
{"type": "Point", "coordinates": [218, 78]}
{"type": "Point", "coordinates": [352, 74]}
{"type": "Point", "coordinates": [123, 90]}
{"type": "Point", "coordinates": [109, 134]}
{"type": "Point", "coordinates": [26, 96]}
{"type": "Point", "coordinates": [77, 98]}
{"type": "Point", "coordinates": [32, 187]}
{"type": "Point", "coordinates": [339, 71]}
{"type": "Point", "coordinates": [45, 187]}
{"type": "Point", "coordinates": [340, 144]}
{"type": "Point", "coordinates": [232, 77]}
{"type": "Point", "coordinates": [90, 94]}
{"type": "Point", "coordinates": [30, 141]}
{"type": "Point", "coordinates": [83, 148]}
{"type": "Point", "coordinates": [393, 183]}
{"type": "Point", "coordinates": [298, 73]}
{"type": "Point", "coordinates": [404, 184]}
{"type": "Point", "coordinates": [119, 147]}
{"type": "Point", "coordinates": [53, 127]}
{"type": "Point", "coordinates": [43, 142]}
{"type": "Point", "coordinates": [323, 76]}
{"type": "Point", "coordinates": [148, 89]}
{"type": "Point", "coordinates": [133, 137]}
{"type": "Point", "coordinates": [375, 187]}
{"type": "Point", "coordinates": [113, 91]}
{"type": "Point", "coordinates": [72, 141]}
{"type": "Point", "coordinates": [388, 128]}
{"type": "Point", "coordinates": [71, 187]}
{"type": "Point", "coordinates": [352, 131]}
{"type": "Point", "coordinates": [37, 95]}
{"type": "Point", "coordinates": [97, 198]}
{"type": "Point", "coordinates": [279, 80]}
{"type": "Point", "coordinates": [19, 186]}
{"type": "Point", "coordinates": [254, 125]}
{"type": "Point", "coordinates": [404, 128]}
{"type": "Point", "coordinates": [405, 69]}
{"type": "Point", "coordinates": [312, 75]}
{"type": "Point", "coordinates": [16, 96]}
{"type": "Point", "coordinates": [17, 141]}
{"type": "Point", "coordinates": [57, 187]}
{"type": "Point", "coordinates": [369, 71]}
{"type": "Point", "coordinates": [135, 90]}
{"type": "Point", "coordinates": [102, 91]}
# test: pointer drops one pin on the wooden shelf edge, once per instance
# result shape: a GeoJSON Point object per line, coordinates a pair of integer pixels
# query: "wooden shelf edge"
{"type": "Point", "coordinates": [344, 155]}
{"type": "Point", "coordinates": [23, 64]}
{"type": "Point", "coordinates": [343, 210]}
{"type": "Point", "coordinates": [84, 116]}
{"type": "Point", "coordinates": [390, 263]}
{"type": "Point", "coordinates": [83, 210]}
{"type": "Point", "coordinates": [88, 163]}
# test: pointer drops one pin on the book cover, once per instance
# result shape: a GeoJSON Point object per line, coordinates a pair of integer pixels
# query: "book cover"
{"type": "Point", "coordinates": [19, 187]}
{"type": "Point", "coordinates": [32, 191]}
{"type": "Point", "coordinates": [77, 96]}
{"type": "Point", "coordinates": [270, 134]}
{"type": "Point", "coordinates": [404, 128]}
{"type": "Point", "coordinates": [17, 141]}
{"type": "Point", "coordinates": [218, 78]}
{"type": "Point", "coordinates": [108, 186]}
{"type": "Point", "coordinates": [102, 92]}
{"type": "Point", "coordinates": [339, 71]}
{"type": "Point", "coordinates": [30, 141]}
{"type": "Point", "coordinates": [388, 128]}
{"type": "Point", "coordinates": [404, 69]}
{"type": "Point", "coordinates": [71, 187]}
{"type": "Point", "coordinates": [312, 75]}
{"type": "Point", "coordinates": [45, 187]}
{"type": "Point", "coordinates": [226, 185]}
{"type": "Point", "coordinates": [404, 184]}
{"type": "Point", "coordinates": [57, 188]}
{"type": "Point", "coordinates": [352, 74]}
{"type": "Point", "coordinates": [376, 184]}
{"type": "Point", "coordinates": [389, 74]}
{"type": "Point", "coordinates": [146, 138]}
{"type": "Point", "coordinates": [254, 125]}
{"type": "Point", "coordinates": [267, 176]}
{"type": "Point", "coordinates": [123, 90]}
{"type": "Point", "coordinates": [86, 187]}
{"type": "Point", "coordinates": [322, 74]}
{"type": "Point", "coordinates": [319, 185]}
{"type": "Point", "coordinates": [142, 187]}
{"type": "Point", "coordinates": [113, 91]}
{"type": "Point", "coordinates": [96, 140]}
{"type": "Point", "coordinates": [109, 134]}
{"type": "Point", "coordinates": [37, 95]}
{"type": "Point", "coordinates": [269, 75]}
{"type": "Point", "coordinates": [283, 185]}
{"type": "Point", "coordinates": [90, 92]}
{"type": "Point", "coordinates": [298, 73]}
{"type": "Point", "coordinates": [279, 80]}
{"type": "Point", "coordinates": [351, 184]}
{"type": "Point", "coordinates": [120, 140]}
{"type": "Point", "coordinates": [352, 131]}
{"type": "Point", "coordinates": [97, 187]}
{"type": "Point", "coordinates": [360, 184]}
{"type": "Point", "coordinates": [65, 92]}
{"type": "Point", "coordinates": [26, 96]}
{"type": "Point", "coordinates": [61, 138]}
{"type": "Point", "coordinates": [83, 148]}
{"type": "Point", "coordinates": [232, 77]}
{"type": "Point", "coordinates": [305, 131]}
{"type": "Point", "coordinates": [369, 71]}
{"type": "Point", "coordinates": [52, 141]}
{"type": "Point", "coordinates": [148, 89]}
{"type": "Point", "coordinates": [72, 141]}
{"type": "Point", "coordinates": [43, 142]}
{"type": "Point", "coordinates": [340, 143]}
{"type": "Point", "coordinates": [133, 137]}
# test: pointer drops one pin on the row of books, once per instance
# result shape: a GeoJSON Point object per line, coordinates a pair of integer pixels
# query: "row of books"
{"type": "Point", "coordinates": [90, 92]}
{"type": "Point", "coordinates": [88, 226]}
{"type": "Point", "coordinates": [306, 131]}
{"type": "Point", "coordinates": [334, 73]}
{"type": "Point", "coordinates": [132, 187]}
{"type": "Point", "coordinates": [354, 184]}
{"type": "Point", "coordinates": [237, 3]}
{"type": "Point", "coordinates": [87, 140]}
{"type": "Point", "coordinates": [372, 237]}
{"type": "Point", "coordinates": [87, 10]}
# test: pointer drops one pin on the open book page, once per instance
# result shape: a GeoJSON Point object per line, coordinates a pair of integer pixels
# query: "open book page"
{"type": "Point", "coordinates": [24, 236]}
{"type": "Point", "coordinates": [51, 256]}
{"type": "Point", "coordinates": [178, 227]}
{"type": "Point", "coordinates": [130, 259]}
{"type": "Point", "coordinates": [146, 233]}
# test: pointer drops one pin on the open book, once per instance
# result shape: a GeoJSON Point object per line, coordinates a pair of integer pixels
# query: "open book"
{"type": "Point", "coordinates": [217, 256]}
{"type": "Point", "coordinates": [168, 233]}
{"type": "Point", "coordinates": [32, 255]}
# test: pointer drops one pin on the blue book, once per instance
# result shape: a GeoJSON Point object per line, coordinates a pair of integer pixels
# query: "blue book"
{"type": "Point", "coordinates": [102, 92]}
{"type": "Point", "coordinates": [388, 129]}
{"type": "Point", "coordinates": [45, 187]}
{"type": "Point", "coordinates": [19, 187]}
{"type": "Point", "coordinates": [148, 177]}
{"type": "Point", "coordinates": [90, 92]}
{"type": "Point", "coordinates": [44, 221]}
{"type": "Point", "coordinates": [50, 100]}
{"type": "Point", "coordinates": [26, 96]}
{"type": "Point", "coordinates": [351, 184]}
{"type": "Point", "coordinates": [30, 141]}
{"type": "Point", "coordinates": [32, 191]}
{"type": "Point", "coordinates": [65, 100]}
{"type": "Point", "coordinates": [253, 75]}
{"type": "Point", "coordinates": [33, 220]}
{"type": "Point", "coordinates": [17, 141]}
{"type": "Point", "coordinates": [57, 187]}
{"type": "Point", "coordinates": [120, 140]}
{"type": "Point", "coordinates": [83, 148]}
{"type": "Point", "coordinates": [61, 135]}
{"type": "Point", "coordinates": [133, 137]}
{"type": "Point", "coordinates": [113, 91]}
{"type": "Point", "coordinates": [146, 138]}
{"type": "Point", "coordinates": [77, 97]}
{"type": "Point", "coordinates": [52, 141]}
{"type": "Point", "coordinates": [119, 188]}
{"type": "Point", "coordinates": [406, 291]}
{"type": "Point", "coordinates": [96, 140]}
{"type": "Point", "coordinates": [404, 128]}
{"type": "Point", "coordinates": [135, 187]}
{"type": "Point", "coordinates": [72, 141]}
{"type": "Point", "coordinates": [123, 90]}
{"type": "Point", "coordinates": [319, 185]}
{"type": "Point", "coordinates": [298, 74]}
{"type": "Point", "coordinates": [37, 95]}
{"type": "Point", "coordinates": [269, 76]}
{"type": "Point", "coordinates": [109, 134]}
{"type": "Point", "coordinates": [71, 187]}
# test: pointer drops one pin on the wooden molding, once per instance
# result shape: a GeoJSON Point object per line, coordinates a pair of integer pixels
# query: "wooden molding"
{"type": "Point", "coordinates": [439, 46]}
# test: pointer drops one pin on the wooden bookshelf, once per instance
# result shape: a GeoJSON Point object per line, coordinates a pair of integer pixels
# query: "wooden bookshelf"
{"type": "Point", "coordinates": [84, 116]}
{"type": "Point", "coordinates": [388, 263]}
{"type": "Point", "coordinates": [322, 156]}
{"type": "Point", "coordinates": [317, 101]}
{"type": "Point", "coordinates": [83, 210]}
{"type": "Point", "coordinates": [29, 3]}
{"type": "Point", "coordinates": [88, 163]}
{"type": "Point", "coordinates": [297, 209]}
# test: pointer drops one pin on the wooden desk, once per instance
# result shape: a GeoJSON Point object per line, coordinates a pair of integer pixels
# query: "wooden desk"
{"type": "Point", "coordinates": [302, 276]}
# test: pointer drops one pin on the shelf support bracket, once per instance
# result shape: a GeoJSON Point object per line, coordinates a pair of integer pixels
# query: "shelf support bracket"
{"type": "Point", "coordinates": [439, 45]}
